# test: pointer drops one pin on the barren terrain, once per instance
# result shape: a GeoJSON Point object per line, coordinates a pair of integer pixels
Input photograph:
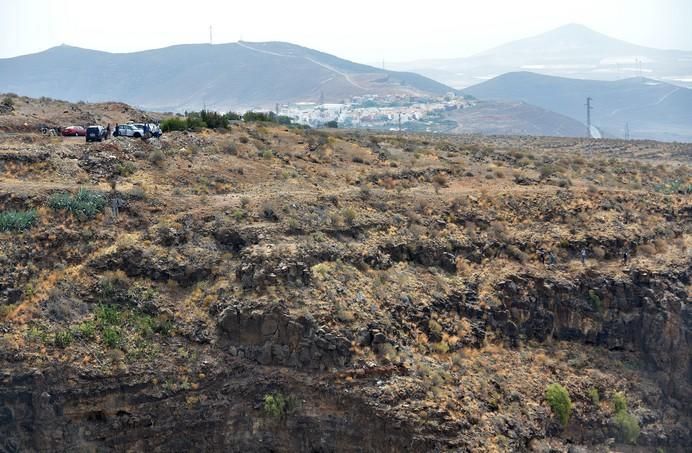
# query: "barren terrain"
{"type": "Point", "coordinates": [273, 289]}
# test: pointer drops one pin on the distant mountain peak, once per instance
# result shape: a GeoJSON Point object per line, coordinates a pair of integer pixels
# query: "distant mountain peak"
{"type": "Point", "coordinates": [566, 38]}
{"type": "Point", "coordinates": [577, 32]}
{"type": "Point", "coordinates": [575, 27]}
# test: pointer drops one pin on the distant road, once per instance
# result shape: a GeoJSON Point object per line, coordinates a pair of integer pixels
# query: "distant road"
{"type": "Point", "coordinates": [326, 66]}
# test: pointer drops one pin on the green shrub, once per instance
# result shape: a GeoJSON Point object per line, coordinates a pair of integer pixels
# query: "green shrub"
{"type": "Point", "coordinates": [628, 425]}
{"type": "Point", "coordinates": [17, 220]}
{"type": "Point", "coordinates": [441, 348]}
{"type": "Point", "coordinates": [107, 315]}
{"type": "Point", "coordinates": [595, 397]}
{"type": "Point", "coordinates": [257, 116]}
{"type": "Point", "coordinates": [125, 168]}
{"type": "Point", "coordinates": [277, 405]}
{"type": "Point", "coordinates": [559, 401]}
{"type": "Point", "coordinates": [111, 336]}
{"type": "Point", "coordinates": [619, 402]}
{"type": "Point", "coordinates": [596, 302]}
{"type": "Point", "coordinates": [195, 121]}
{"type": "Point", "coordinates": [63, 338]}
{"type": "Point", "coordinates": [83, 205]}
{"type": "Point", "coordinates": [85, 330]}
{"type": "Point", "coordinates": [435, 327]}
{"type": "Point", "coordinates": [214, 120]}
{"type": "Point", "coordinates": [174, 124]}
{"type": "Point", "coordinates": [274, 405]}
{"type": "Point", "coordinates": [239, 214]}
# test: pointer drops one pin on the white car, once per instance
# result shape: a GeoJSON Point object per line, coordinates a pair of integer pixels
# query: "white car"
{"type": "Point", "coordinates": [128, 130]}
{"type": "Point", "coordinates": [149, 129]}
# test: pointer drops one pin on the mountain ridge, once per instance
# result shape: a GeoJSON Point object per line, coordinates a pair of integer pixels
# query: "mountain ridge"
{"type": "Point", "coordinates": [189, 76]}
{"type": "Point", "coordinates": [652, 109]}
{"type": "Point", "coordinates": [572, 50]}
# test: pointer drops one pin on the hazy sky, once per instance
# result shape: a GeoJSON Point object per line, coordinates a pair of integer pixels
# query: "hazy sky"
{"type": "Point", "coordinates": [361, 30]}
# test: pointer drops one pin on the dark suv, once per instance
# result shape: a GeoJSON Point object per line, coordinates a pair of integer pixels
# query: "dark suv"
{"type": "Point", "coordinates": [95, 133]}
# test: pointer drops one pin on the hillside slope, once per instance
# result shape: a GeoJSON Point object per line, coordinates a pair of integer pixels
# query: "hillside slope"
{"type": "Point", "coordinates": [514, 118]}
{"type": "Point", "coordinates": [264, 288]}
{"type": "Point", "coordinates": [235, 75]}
{"type": "Point", "coordinates": [653, 110]}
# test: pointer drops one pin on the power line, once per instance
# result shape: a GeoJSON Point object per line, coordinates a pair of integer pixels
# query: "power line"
{"type": "Point", "coordinates": [588, 116]}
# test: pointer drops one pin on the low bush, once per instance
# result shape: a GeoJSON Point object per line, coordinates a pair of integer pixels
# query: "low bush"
{"type": "Point", "coordinates": [125, 168]}
{"type": "Point", "coordinates": [198, 120]}
{"type": "Point", "coordinates": [63, 338]}
{"type": "Point", "coordinates": [559, 401]}
{"type": "Point", "coordinates": [257, 116]}
{"type": "Point", "coordinates": [595, 397]}
{"type": "Point", "coordinates": [440, 180]}
{"type": "Point", "coordinates": [84, 204]}
{"type": "Point", "coordinates": [85, 330]}
{"type": "Point", "coordinates": [174, 124]}
{"type": "Point", "coordinates": [8, 102]}
{"type": "Point", "coordinates": [349, 215]}
{"type": "Point", "coordinates": [111, 336]}
{"type": "Point", "coordinates": [214, 120]}
{"type": "Point", "coordinates": [274, 405]}
{"type": "Point", "coordinates": [441, 347]}
{"type": "Point", "coordinates": [596, 302]}
{"type": "Point", "coordinates": [17, 220]}
{"type": "Point", "coordinates": [157, 157]}
{"type": "Point", "coordinates": [231, 149]}
{"type": "Point", "coordinates": [628, 426]}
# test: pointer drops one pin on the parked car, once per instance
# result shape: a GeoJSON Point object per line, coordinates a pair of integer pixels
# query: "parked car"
{"type": "Point", "coordinates": [150, 129]}
{"type": "Point", "coordinates": [95, 133]}
{"type": "Point", "coordinates": [74, 131]}
{"type": "Point", "coordinates": [128, 130]}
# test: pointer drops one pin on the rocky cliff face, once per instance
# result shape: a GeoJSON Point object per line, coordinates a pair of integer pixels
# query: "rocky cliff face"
{"type": "Point", "coordinates": [58, 409]}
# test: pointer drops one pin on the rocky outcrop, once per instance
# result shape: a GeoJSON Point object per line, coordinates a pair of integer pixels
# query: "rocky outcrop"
{"type": "Point", "coordinates": [59, 410]}
{"type": "Point", "coordinates": [136, 262]}
{"type": "Point", "coordinates": [647, 313]}
{"type": "Point", "coordinates": [273, 337]}
{"type": "Point", "coordinates": [24, 158]}
{"type": "Point", "coordinates": [422, 253]}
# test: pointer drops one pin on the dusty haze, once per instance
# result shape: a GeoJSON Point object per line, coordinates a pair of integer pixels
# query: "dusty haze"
{"type": "Point", "coordinates": [358, 30]}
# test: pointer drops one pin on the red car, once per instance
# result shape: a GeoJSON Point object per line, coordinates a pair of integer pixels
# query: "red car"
{"type": "Point", "coordinates": [74, 131]}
